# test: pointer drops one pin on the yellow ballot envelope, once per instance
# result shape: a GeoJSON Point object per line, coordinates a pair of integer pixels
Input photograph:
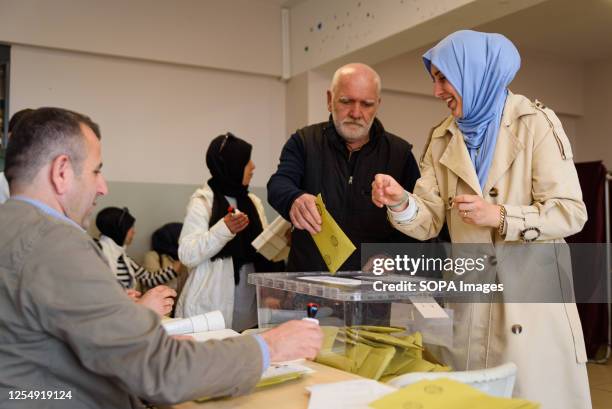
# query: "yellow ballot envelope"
{"type": "Point", "coordinates": [335, 247]}
{"type": "Point", "coordinates": [447, 394]}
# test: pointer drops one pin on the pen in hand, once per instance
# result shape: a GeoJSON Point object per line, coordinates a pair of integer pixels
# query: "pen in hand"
{"type": "Point", "coordinates": [235, 220]}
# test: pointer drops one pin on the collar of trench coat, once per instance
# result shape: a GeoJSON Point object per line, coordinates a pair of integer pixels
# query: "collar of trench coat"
{"type": "Point", "coordinates": [456, 156]}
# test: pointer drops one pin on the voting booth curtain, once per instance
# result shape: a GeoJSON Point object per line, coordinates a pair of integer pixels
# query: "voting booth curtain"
{"type": "Point", "coordinates": [594, 317]}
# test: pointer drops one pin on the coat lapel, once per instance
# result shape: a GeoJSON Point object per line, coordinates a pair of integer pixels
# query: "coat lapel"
{"type": "Point", "coordinates": [507, 148]}
{"type": "Point", "coordinates": [508, 144]}
{"type": "Point", "coordinates": [457, 159]}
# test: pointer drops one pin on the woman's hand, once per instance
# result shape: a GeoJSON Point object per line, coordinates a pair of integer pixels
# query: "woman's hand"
{"type": "Point", "coordinates": [236, 222]}
{"type": "Point", "coordinates": [475, 210]}
{"type": "Point", "coordinates": [387, 192]}
{"type": "Point", "coordinates": [176, 265]}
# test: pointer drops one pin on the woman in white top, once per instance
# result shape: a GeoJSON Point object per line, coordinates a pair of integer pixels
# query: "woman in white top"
{"type": "Point", "coordinates": [223, 218]}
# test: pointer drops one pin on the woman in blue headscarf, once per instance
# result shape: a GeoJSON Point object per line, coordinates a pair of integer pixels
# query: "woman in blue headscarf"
{"type": "Point", "coordinates": [499, 170]}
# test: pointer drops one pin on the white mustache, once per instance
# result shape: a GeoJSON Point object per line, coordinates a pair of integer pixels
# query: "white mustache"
{"type": "Point", "coordinates": [353, 123]}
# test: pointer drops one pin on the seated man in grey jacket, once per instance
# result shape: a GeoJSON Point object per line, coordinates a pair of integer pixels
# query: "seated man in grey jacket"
{"type": "Point", "coordinates": [66, 326]}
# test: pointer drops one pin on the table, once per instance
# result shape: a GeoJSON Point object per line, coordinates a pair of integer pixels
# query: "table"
{"type": "Point", "coordinates": [288, 395]}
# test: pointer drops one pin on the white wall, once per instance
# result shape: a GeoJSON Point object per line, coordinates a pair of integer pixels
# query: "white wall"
{"type": "Point", "coordinates": [242, 35]}
{"type": "Point", "coordinates": [411, 116]}
{"type": "Point", "coordinates": [156, 119]}
{"type": "Point", "coordinates": [556, 82]}
{"type": "Point", "coordinates": [307, 99]}
{"type": "Point", "coordinates": [318, 84]}
{"type": "Point", "coordinates": [297, 102]}
{"type": "Point", "coordinates": [594, 127]}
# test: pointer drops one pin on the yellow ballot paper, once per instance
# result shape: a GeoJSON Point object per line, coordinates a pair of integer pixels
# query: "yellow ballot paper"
{"type": "Point", "coordinates": [446, 394]}
{"type": "Point", "coordinates": [331, 241]}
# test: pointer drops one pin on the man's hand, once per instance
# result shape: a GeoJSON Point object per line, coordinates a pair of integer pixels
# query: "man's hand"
{"type": "Point", "coordinates": [133, 294]}
{"type": "Point", "coordinates": [236, 222]}
{"type": "Point", "coordinates": [304, 214]}
{"type": "Point", "coordinates": [368, 267]}
{"type": "Point", "coordinates": [294, 340]}
{"type": "Point", "coordinates": [159, 299]}
{"type": "Point", "coordinates": [474, 209]}
{"type": "Point", "coordinates": [386, 191]}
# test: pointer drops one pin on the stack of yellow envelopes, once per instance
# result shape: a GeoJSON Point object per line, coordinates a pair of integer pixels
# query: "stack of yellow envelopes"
{"type": "Point", "coordinates": [376, 352]}
{"type": "Point", "coordinates": [447, 394]}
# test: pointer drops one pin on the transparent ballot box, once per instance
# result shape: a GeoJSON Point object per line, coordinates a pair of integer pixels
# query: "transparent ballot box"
{"type": "Point", "coordinates": [352, 300]}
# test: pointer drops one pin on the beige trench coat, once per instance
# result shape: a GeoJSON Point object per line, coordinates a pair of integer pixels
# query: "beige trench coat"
{"type": "Point", "coordinates": [534, 177]}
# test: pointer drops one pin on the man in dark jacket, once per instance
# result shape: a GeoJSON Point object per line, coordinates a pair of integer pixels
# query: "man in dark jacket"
{"type": "Point", "coordinates": [339, 159]}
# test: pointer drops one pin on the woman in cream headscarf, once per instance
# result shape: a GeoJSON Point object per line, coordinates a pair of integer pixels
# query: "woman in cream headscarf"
{"type": "Point", "coordinates": [499, 169]}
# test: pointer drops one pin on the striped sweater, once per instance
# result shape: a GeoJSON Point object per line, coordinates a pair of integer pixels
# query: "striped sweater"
{"type": "Point", "coordinates": [129, 273]}
{"type": "Point", "coordinates": [144, 277]}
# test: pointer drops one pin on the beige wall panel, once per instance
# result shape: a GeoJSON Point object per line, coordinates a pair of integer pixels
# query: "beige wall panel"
{"type": "Point", "coordinates": [157, 119]}
{"type": "Point", "coordinates": [241, 35]}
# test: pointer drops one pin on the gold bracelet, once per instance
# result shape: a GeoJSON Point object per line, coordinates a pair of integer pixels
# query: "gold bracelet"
{"type": "Point", "coordinates": [502, 220]}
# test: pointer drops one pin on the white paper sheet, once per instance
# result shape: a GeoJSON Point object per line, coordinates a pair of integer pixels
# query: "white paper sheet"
{"type": "Point", "coordinates": [349, 282]}
{"type": "Point", "coordinates": [347, 394]}
{"type": "Point", "coordinates": [428, 307]}
{"type": "Point", "coordinates": [284, 368]}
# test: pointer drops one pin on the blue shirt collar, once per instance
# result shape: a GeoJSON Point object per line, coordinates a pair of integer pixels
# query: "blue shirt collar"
{"type": "Point", "coordinates": [47, 210]}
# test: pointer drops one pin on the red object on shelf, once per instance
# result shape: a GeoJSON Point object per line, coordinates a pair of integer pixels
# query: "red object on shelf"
{"type": "Point", "coordinates": [312, 309]}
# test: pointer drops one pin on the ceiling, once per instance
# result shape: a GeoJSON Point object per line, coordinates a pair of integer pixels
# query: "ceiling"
{"type": "Point", "coordinates": [283, 3]}
{"type": "Point", "coordinates": [579, 30]}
